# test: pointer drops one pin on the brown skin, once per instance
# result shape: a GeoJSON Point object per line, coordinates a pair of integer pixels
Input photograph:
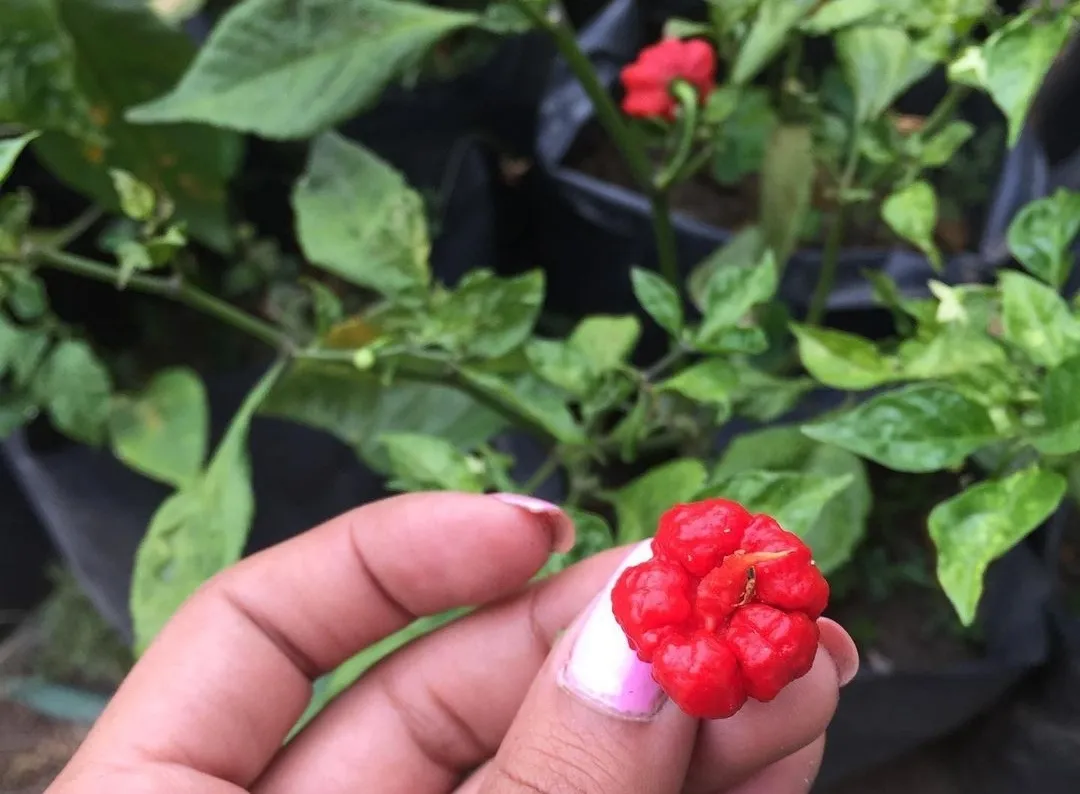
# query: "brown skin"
{"type": "Point", "coordinates": [209, 705]}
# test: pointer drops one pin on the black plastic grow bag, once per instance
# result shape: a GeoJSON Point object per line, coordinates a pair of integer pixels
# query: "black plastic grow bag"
{"type": "Point", "coordinates": [881, 717]}
{"type": "Point", "coordinates": [590, 232]}
{"type": "Point", "coordinates": [96, 510]}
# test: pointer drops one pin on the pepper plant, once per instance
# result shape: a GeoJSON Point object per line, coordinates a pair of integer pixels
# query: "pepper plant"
{"type": "Point", "coordinates": [424, 380]}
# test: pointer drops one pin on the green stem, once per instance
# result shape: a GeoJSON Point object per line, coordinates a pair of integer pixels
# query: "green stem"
{"type": "Point", "coordinates": [607, 112]}
{"type": "Point", "coordinates": [830, 260]}
{"type": "Point", "coordinates": [667, 251]}
{"type": "Point", "coordinates": [944, 110]}
{"type": "Point", "coordinates": [172, 288]}
{"type": "Point", "coordinates": [177, 290]}
{"type": "Point", "coordinates": [686, 128]}
{"type": "Point", "coordinates": [829, 265]}
{"type": "Point", "coordinates": [547, 468]}
{"type": "Point", "coordinates": [622, 134]}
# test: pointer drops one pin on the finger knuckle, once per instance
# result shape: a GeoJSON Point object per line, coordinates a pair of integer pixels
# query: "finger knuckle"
{"type": "Point", "coordinates": [565, 764]}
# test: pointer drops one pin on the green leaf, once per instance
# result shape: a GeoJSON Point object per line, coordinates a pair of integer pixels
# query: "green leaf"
{"type": "Point", "coordinates": [748, 245]}
{"type": "Point", "coordinates": [292, 68]}
{"type": "Point", "coordinates": [796, 500]}
{"type": "Point", "coordinates": [137, 199]}
{"type": "Point", "coordinates": [658, 298]}
{"type": "Point", "coordinates": [1017, 58]}
{"type": "Point", "coordinates": [774, 20]}
{"type": "Point", "coordinates": [357, 218]}
{"type": "Point", "coordinates": [841, 524]}
{"type": "Point", "coordinates": [879, 64]}
{"type": "Point", "coordinates": [488, 316]}
{"type": "Point", "coordinates": [733, 291]}
{"type": "Point", "coordinates": [943, 145]}
{"type": "Point", "coordinates": [356, 408]}
{"type": "Point", "coordinates": [764, 397]}
{"type": "Point", "coordinates": [953, 350]}
{"type": "Point", "coordinates": [787, 179]}
{"type": "Point", "coordinates": [1041, 234]}
{"type": "Point", "coordinates": [38, 87]}
{"type": "Point", "coordinates": [76, 389]}
{"type": "Point", "coordinates": [712, 382]}
{"type": "Point", "coordinates": [920, 428]}
{"type": "Point", "coordinates": [842, 360]}
{"type": "Point", "coordinates": [911, 213]}
{"type": "Point", "coordinates": [1060, 434]}
{"type": "Point", "coordinates": [176, 11]}
{"type": "Point", "coordinates": [190, 165]}
{"type": "Point", "coordinates": [974, 528]}
{"type": "Point", "coordinates": [16, 410]}
{"type": "Point", "coordinates": [164, 432]}
{"type": "Point", "coordinates": [10, 149]}
{"type": "Point", "coordinates": [544, 407]}
{"type": "Point", "coordinates": [1036, 319]}
{"type": "Point", "coordinates": [422, 462]}
{"type": "Point", "coordinates": [640, 503]}
{"type": "Point", "coordinates": [741, 137]}
{"type": "Point", "coordinates": [200, 530]}
{"type": "Point", "coordinates": [836, 14]}
{"type": "Point", "coordinates": [593, 536]}
{"type": "Point", "coordinates": [606, 340]}
{"type": "Point", "coordinates": [561, 364]}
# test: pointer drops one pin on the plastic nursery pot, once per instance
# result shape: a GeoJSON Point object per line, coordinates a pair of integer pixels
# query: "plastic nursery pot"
{"type": "Point", "coordinates": [883, 716]}
{"type": "Point", "coordinates": [1045, 158]}
{"type": "Point", "coordinates": [96, 510]}
{"type": "Point", "coordinates": [23, 579]}
{"type": "Point", "coordinates": [590, 232]}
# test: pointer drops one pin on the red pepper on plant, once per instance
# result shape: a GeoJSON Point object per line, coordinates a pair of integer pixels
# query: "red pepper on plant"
{"type": "Point", "coordinates": [648, 79]}
{"type": "Point", "coordinates": [725, 610]}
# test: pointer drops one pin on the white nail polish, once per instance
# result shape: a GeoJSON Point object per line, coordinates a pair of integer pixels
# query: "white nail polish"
{"type": "Point", "coordinates": [559, 523]}
{"type": "Point", "coordinates": [602, 670]}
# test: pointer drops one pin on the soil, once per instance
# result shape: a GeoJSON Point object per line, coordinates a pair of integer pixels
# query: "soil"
{"type": "Point", "coordinates": [888, 596]}
{"type": "Point", "coordinates": [33, 748]}
{"type": "Point", "coordinates": [735, 207]}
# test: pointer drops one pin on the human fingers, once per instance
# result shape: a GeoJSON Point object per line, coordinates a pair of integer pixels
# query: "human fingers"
{"type": "Point", "coordinates": [794, 774]}
{"type": "Point", "coordinates": [594, 721]}
{"type": "Point", "coordinates": [229, 676]}
{"type": "Point", "coordinates": [441, 705]}
{"type": "Point", "coordinates": [761, 734]}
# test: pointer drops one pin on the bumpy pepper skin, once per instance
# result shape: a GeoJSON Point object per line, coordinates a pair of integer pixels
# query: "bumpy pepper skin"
{"type": "Point", "coordinates": [725, 611]}
{"type": "Point", "coordinates": [648, 79]}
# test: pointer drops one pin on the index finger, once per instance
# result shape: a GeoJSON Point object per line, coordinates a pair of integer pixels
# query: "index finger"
{"type": "Point", "coordinates": [231, 673]}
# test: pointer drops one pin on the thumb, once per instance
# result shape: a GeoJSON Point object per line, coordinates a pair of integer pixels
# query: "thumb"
{"type": "Point", "coordinates": [594, 721]}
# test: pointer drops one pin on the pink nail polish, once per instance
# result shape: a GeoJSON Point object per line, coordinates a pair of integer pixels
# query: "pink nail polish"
{"type": "Point", "coordinates": [602, 670]}
{"type": "Point", "coordinates": [558, 523]}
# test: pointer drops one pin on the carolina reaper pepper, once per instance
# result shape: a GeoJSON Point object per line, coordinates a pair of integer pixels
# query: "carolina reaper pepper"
{"type": "Point", "coordinates": [726, 608]}
{"type": "Point", "coordinates": [648, 79]}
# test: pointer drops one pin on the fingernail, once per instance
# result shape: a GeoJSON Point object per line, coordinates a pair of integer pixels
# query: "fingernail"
{"type": "Point", "coordinates": [557, 522]}
{"type": "Point", "coordinates": [842, 649]}
{"type": "Point", "coordinates": [602, 670]}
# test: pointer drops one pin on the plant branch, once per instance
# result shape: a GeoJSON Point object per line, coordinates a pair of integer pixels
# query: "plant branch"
{"type": "Point", "coordinates": [541, 475]}
{"type": "Point", "coordinates": [686, 127]}
{"type": "Point", "coordinates": [189, 295]}
{"type": "Point", "coordinates": [830, 258]}
{"type": "Point", "coordinates": [944, 110]}
{"type": "Point", "coordinates": [622, 134]}
{"type": "Point", "coordinates": [168, 288]}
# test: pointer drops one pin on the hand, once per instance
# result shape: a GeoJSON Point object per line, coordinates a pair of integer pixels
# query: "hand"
{"type": "Point", "coordinates": [485, 705]}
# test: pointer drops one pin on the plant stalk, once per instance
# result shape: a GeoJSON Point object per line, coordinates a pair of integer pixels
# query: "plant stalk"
{"type": "Point", "coordinates": [266, 333]}
{"type": "Point", "coordinates": [622, 134]}
{"type": "Point", "coordinates": [830, 261]}
{"type": "Point", "coordinates": [169, 288]}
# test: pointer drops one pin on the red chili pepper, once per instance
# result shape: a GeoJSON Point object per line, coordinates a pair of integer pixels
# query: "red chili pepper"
{"type": "Point", "coordinates": [725, 610]}
{"type": "Point", "coordinates": [648, 79]}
